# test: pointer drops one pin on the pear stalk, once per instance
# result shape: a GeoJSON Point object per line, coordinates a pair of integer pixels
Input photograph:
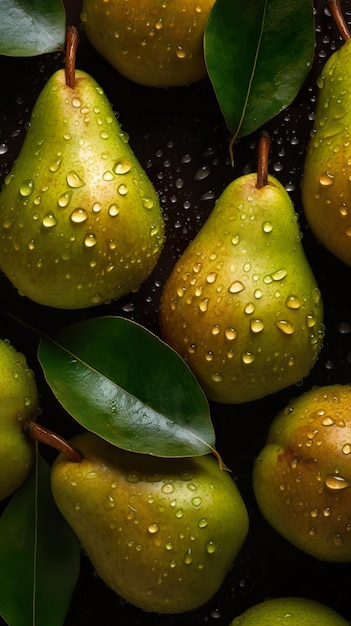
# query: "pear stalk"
{"type": "Point", "coordinates": [262, 165]}
{"type": "Point", "coordinates": [339, 19]}
{"type": "Point", "coordinates": [43, 435]}
{"type": "Point", "coordinates": [72, 40]}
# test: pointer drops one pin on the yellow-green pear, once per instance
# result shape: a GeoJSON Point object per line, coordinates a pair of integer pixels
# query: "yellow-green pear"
{"type": "Point", "coordinates": [162, 533]}
{"type": "Point", "coordinates": [326, 194]}
{"type": "Point", "coordinates": [242, 306]}
{"type": "Point", "coordinates": [18, 402]}
{"type": "Point", "coordinates": [289, 611]}
{"type": "Point", "coordinates": [302, 476]}
{"type": "Point", "coordinates": [80, 221]}
{"type": "Point", "coordinates": [152, 42]}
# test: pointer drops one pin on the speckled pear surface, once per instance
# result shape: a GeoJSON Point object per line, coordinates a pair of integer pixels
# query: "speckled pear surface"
{"type": "Point", "coordinates": [158, 43]}
{"type": "Point", "coordinates": [326, 192]}
{"type": "Point", "coordinates": [80, 221]}
{"type": "Point", "coordinates": [241, 305]}
{"type": "Point", "coordinates": [302, 477]}
{"type": "Point", "coordinates": [162, 533]}
{"type": "Point", "coordinates": [289, 612]}
{"type": "Point", "coordinates": [18, 401]}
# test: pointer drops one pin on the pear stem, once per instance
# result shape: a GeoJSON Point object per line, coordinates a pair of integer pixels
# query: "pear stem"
{"type": "Point", "coordinates": [35, 431]}
{"type": "Point", "coordinates": [262, 165]}
{"type": "Point", "coordinates": [339, 19]}
{"type": "Point", "coordinates": [72, 40]}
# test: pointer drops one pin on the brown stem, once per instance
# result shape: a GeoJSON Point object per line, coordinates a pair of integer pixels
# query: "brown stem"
{"type": "Point", "coordinates": [39, 433]}
{"type": "Point", "coordinates": [339, 19]}
{"type": "Point", "coordinates": [72, 39]}
{"type": "Point", "coordinates": [262, 165]}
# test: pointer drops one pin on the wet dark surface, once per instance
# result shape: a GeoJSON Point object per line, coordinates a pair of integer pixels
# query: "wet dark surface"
{"type": "Point", "coordinates": [180, 138]}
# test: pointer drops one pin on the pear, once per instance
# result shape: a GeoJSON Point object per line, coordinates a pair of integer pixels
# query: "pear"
{"type": "Point", "coordinates": [18, 402]}
{"type": "Point", "coordinates": [326, 176]}
{"type": "Point", "coordinates": [242, 306]}
{"type": "Point", "coordinates": [80, 221]}
{"type": "Point", "coordinates": [302, 476]}
{"type": "Point", "coordinates": [290, 611]}
{"type": "Point", "coordinates": [158, 44]}
{"type": "Point", "coordinates": [162, 533]}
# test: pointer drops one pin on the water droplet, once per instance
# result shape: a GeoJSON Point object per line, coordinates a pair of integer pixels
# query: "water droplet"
{"type": "Point", "coordinates": [236, 287]}
{"type": "Point", "coordinates": [256, 325]}
{"type": "Point", "coordinates": [211, 546]}
{"type": "Point", "coordinates": [267, 227]}
{"type": "Point", "coordinates": [336, 482]}
{"type": "Point", "coordinates": [285, 327]}
{"type": "Point", "coordinates": [133, 477]}
{"type": "Point", "coordinates": [168, 488]}
{"type": "Point", "coordinates": [203, 522]}
{"type": "Point", "coordinates": [153, 528]}
{"type": "Point", "coordinates": [216, 377]}
{"type": "Point", "coordinates": [90, 240]}
{"type": "Point", "coordinates": [74, 181]}
{"type": "Point", "coordinates": [326, 179]}
{"type": "Point", "coordinates": [76, 102]}
{"type": "Point", "coordinates": [292, 302]}
{"type": "Point", "coordinates": [109, 503]}
{"type": "Point", "coordinates": [279, 274]}
{"type": "Point", "coordinates": [64, 199]}
{"type": "Point", "coordinates": [196, 501]}
{"type": "Point", "coordinates": [49, 220]}
{"type": "Point", "coordinates": [230, 334]}
{"type": "Point", "coordinates": [78, 216]}
{"type": "Point", "coordinates": [55, 165]}
{"type": "Point", "coordinates": [247, 358]}
{"type": "Point", "coordinates": [122, 189]}
{"type": "Point", "coordinates": [188, 557]}
{"type": "Point", "coordinates": [148, 203]}
{"type": "Point", "coordinates": [113, 210]}
{"type": "Point", "coordinates": [122, 167]}
{"type": "Point", "coordinates": [108, 176]}
{"type": "Point", "coordinates": [211, 277]}
{"type": "Point", "coordinates": [26, 188]}
{"type": "Point", "coordinates": [346, 449]}
{"type": "Point", "coordinates": [203, 305]}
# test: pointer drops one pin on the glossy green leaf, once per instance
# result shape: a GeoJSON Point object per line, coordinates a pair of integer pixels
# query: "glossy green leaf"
{"type": "Point", "coordinates": [258, 57]}
{"type": "Point", "coordinates": [39, 556]}
{"type": "Point", "coordinates": [31, 27]}
{"type": "Point", "coordinates": [122, 382]}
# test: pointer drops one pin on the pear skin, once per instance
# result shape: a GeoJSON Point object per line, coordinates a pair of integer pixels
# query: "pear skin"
{"type": "Point", "coordinates": [302, 477]}
{"type": "Point", "coordinates": [158, 44]}
{"type": "Point", "coordinates": [18, 402]}
{"type": "Point", "coordinates": [162, 533]}
{"type": "Point", "coordinates": [242, 306]}
{"type": "Point", "coordinates": [80, 221]}
{"type": "Point", "coordinates": [290, 611]}
{"type": "Point", "coordinates": [325, 185]}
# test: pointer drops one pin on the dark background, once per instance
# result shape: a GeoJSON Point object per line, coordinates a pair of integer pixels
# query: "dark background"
{"type": "Point", "coordinates": [180, 138]}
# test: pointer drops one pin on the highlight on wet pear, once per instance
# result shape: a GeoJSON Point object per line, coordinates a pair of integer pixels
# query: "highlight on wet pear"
{"type": "Point", "coordinates": [302, 476]}
{"type": "Point", "coordinates": [153, 43]}
{"type": "Point", "coordinates": [19, 401]}
{"type": "Point", "coordinates": [162, 533]}
{"type": "Point", "coordinates": [80, 221]}
{"type": "Point", "coordinates": [289, 611]}
{"type": "Point", "coordinates": [242, 306]}
{"type": "Point", "coordinates": [326, 193]}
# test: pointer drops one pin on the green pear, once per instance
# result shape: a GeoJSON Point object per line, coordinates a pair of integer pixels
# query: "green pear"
{"type": "Point", "coordinates": [289, 612]}
{"type": "Point", "coordinates": [302, 477]}
{"type": "Point", "coordinates": [18, 402]}
{"type": "Point", "coordinates": [242, 306]}
{"type": "Point", "coordinates": [162, 533]}
{"type": "Point", "coordinates": [80, 221]}
{"type": "Point", "coordinates": [327, 169]}
{"type": "Point", "coordinates": [159, 44]}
